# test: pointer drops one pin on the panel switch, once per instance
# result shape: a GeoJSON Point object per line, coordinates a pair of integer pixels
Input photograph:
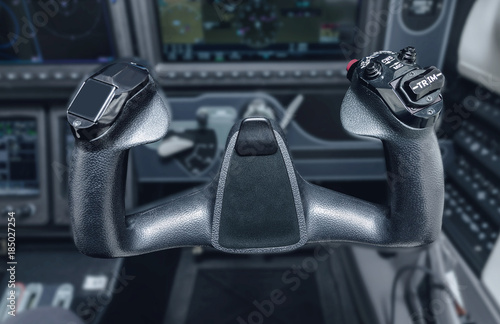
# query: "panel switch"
{"type": "Point", "coordinates": [423, 84]}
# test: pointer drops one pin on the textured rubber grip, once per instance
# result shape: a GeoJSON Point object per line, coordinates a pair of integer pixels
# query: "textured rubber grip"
{"type": "Point", "coordinates": [98, 171]}
{"type": "Point", "coordinates": [415, 181]}
{"type": "Point", "coordinates": [97, 178]}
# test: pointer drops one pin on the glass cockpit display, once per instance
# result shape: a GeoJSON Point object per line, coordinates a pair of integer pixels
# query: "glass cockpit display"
{"type": "Point", "coordinates": [49, 31]}
{"type": "Point", "coordinates": [256, 30]}
{"type": "Point", "coordinates": [18, 157]}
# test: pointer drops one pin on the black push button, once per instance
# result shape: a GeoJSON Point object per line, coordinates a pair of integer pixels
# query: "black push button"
{"type": "Point", "coordinates": [373, 70]}
{"type": "Point", "coordinates": [420, 86]}
{"type": "Point", "coordinates": [91, 100]}
{"type": "Point", "coordinates": [103, 96]}
{"type": "Point", "coordinates": [256, 138]}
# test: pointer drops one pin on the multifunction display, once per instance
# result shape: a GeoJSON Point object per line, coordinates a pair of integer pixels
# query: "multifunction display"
{"type": "Point", "coordinates": [256, 30]}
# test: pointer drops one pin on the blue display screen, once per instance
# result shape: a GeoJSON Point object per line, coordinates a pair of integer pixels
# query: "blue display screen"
{"type": "Point", "coordinates": [55, 32]}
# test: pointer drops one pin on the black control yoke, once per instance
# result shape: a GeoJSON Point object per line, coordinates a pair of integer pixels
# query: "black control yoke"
{"type": "Point", "coordinates": [258, 203]}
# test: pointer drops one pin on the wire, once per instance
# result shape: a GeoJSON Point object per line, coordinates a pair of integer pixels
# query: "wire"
{"type": "Point", "coordinates": [460, 310]}
{"type": "Point", "coordinates": [427, 271]}
{"type": "Point", "coordinates": [290, 111]}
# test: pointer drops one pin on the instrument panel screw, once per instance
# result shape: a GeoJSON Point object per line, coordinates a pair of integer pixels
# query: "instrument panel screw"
{"type": "Point", "coordinates": [429, 98]}
{"type": "Point", "coordinates": [431, 111]}
{"type": "Point", "coordinates": [77, 123]}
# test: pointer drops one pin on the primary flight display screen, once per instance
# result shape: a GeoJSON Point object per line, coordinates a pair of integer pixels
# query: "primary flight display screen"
{"type": "Point", "coordinates": [70, 31]}
{"type": "Point", "coordinates": [256, 30]}
{"type": "Point", "coordinates": [18, 157]}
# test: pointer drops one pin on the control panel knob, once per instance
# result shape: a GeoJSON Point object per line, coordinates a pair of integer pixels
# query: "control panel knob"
{"type": "Point", "coordinates": [408, 55]}
{"type": "Point", "coordinates": [6, 210]}
{"type": "Point", "coordinates": [373, 70]}
{"type": "Point", "coordinates": [423, 84]}
{"type": "Point", "coordinates": [25, 211]}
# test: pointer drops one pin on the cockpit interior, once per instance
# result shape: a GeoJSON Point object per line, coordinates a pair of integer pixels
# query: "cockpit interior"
{"type": "Point", "coordinates": [249, 161]}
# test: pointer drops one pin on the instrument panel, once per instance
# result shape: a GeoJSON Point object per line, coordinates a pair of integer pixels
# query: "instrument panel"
{"type": "Point", "coordinates": [216, 43]}
{"type": "Point", "coordinates": [23, 162]}
{"type": "Point", "coordinates": [221, 31]}
{"type": "Point", "coordinates": [224, 44]}
{"type": "Point", "coordinates": [56, 43]}
{"type": "Point", "coordinates": [57, 33]}
{"type": "Point", "coordinates": [18, 157]}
